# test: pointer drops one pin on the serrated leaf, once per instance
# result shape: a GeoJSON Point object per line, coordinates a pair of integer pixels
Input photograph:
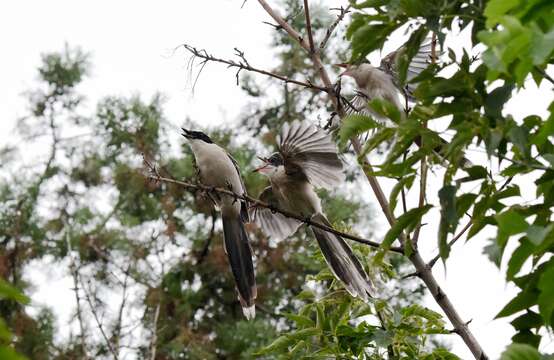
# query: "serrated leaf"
{"type": "Point", "coordinates": [511, 222]}
{"type": "Point", "coordinates": [407, 221]}
{"type": "Point", "coordinates": [521, 301]}
{"type": "Point", "coordinates": [386, 109]}
{"type": "Point", "coordinates": [546, 296]}
{"type": "Point", "coordinates": [529, 320]}
{"type": "Point", "coordinates": [355, 124]}
{"type": "Point", "coordinates": [518, 258]}
{"type": "Point", "coordinates": [300, 320]}
{"type": "Point", "coordinates": [403, 182]}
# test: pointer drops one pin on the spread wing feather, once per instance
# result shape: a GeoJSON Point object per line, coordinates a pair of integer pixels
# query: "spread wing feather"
{"type": "Point", "coordinates": [273, 224]}
{"type": "Point", "coordinates": [420, 62]}
{"type": "Point", "coordinates": [309, 153]}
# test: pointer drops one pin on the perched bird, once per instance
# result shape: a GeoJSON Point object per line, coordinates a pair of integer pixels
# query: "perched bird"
{"type": "Point", "coordinates": [218, 169]}
{"type": "Point", "coordinates": [307, 158]}
{"type": "Point", "coordinates": [383, 82]}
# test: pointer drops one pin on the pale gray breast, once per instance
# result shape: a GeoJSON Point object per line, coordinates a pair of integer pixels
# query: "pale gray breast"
{"type": "Point", "coordinates": [294, 195]}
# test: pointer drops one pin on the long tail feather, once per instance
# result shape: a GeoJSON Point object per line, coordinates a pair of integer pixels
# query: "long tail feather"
{"type": "Point", "coordinates": [238, 251]}
{"type": "Point", "coordinates": [340, 258]}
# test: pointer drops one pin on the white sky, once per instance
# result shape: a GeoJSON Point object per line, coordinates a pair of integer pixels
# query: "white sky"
{"type": "Point", "coordinates": [131, 44]}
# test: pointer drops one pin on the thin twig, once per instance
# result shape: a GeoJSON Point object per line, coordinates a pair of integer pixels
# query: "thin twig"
{"type": "Point", "coordinates": [309, 26]}
{"type": "Point", "coordinates": [75, 274]}
{"type": "Point", "coordinates": [154, 341]}
{"type": "Point", "coordinates": [243, 65]}
{"type": "Point", "coordinates": [340, 16]}
{"type": "Point", "coordinates": [98, 321]}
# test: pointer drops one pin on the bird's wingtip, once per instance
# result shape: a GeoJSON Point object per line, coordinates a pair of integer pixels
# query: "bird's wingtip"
{"type": "Point", "coordinates": [249, 312]}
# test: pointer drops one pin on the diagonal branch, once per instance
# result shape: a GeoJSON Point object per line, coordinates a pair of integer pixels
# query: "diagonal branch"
{"type": "Point", "coordinates": [259, 203]}
{"type": "Point", "coordinates": [422, 269]}
{"type": "Point", "coordinates": [309, 26]}
{"type": "Point", "coordinates": [329, 32]}
{"type": "Point", "coordinates": [244, 65]}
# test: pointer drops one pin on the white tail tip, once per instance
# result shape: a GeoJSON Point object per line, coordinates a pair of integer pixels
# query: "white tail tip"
{"type": "Point", "coordinates": [249, 312]}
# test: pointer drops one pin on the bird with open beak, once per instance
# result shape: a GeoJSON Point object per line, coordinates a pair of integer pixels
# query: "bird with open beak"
{"type": "Point", "coordinates": [218, 169]}
{"type": "Point", "coordinates": [307, 158]}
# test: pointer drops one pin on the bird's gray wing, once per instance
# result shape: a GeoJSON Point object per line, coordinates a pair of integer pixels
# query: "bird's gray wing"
{"type": "Point", "coordinates": [243, 205]}
{"type": "Point", "coordinates": [309, 153]}
{"type": "Point", "coordinates": [275, 225]}
{"type": "Point", "coordinates": [420, 62]}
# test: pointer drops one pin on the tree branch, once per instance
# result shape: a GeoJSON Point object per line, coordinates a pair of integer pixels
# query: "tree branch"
{"type": "Point", "coordinates": [257, 202]}
{"type": "Point", "coordinates": [97, 319]}
{"type": "Point", "coordinates": [423, 270]}
{"type": "Point", "coordinates": [244, 65]}
{"type": "Point", "coordinates": [154, 341]}
{"type": "Point", "coordinates": [431, 263]}
{"type": "Point", "coordinates": [309, 26]}
{"type": "Point", "coordinates": [75, 275]}
{"type": "Point", "coordinates": [329, 32]}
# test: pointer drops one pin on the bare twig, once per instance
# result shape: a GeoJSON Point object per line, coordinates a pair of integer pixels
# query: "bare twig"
{"type": "Point", "coordinates": [244, 65]}
{"type": "Point", "coordinates": [421, 267]}
{"type": "Point", "coordinates": [119, 322]}
{"type": "Point", "coordinates": [257, 202]}
{"type": "Point", "coordinates": [98, 321]}
{"type": "Point", "coordinates": [154, 341]}
{"type": "Point", "coordinates": [309, 26]}
{"type": "Point", "coordinates": [340, 16]}
{"type": "Point", "coordinates": [75, 274]}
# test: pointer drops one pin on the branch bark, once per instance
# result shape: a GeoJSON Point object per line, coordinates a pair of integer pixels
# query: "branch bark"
{"type": "Point", "coordinates": [422, 269]}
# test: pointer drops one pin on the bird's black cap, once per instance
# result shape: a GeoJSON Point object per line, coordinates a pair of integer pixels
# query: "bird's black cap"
{"type": "Point", "coordinates": [199, 135]}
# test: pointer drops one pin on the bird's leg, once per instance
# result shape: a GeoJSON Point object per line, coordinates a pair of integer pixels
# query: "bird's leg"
{"type": "Point", "coordinates": [230, 188]}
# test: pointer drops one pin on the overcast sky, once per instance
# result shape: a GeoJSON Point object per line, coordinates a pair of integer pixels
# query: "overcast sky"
{"type": "Point", "coordinates": [132, 45]}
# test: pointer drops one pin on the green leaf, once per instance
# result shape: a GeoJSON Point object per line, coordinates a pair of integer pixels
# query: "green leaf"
{"type": "Point", "coordinates": [493, 252]}
{"type": "Point", "coordinates": [537, 233]}
{"type": "Point", "coordinates": [7, 353]}
{"type": "Point", "coordinates": [280, 344]}
{"type": "Point", "coordinates": [406, 181]}
{"type": "Point", "coordinates": [300, 320]}
{"type": "Point", "coordinates": [449, 218]}
{"type": "Point", "coordinates": [409, 51]}
{"type": "Point", "coordinates": [529, 320]}
{"type": "Point", "coordinates": [520, 352]}
{"type": "Point", "coordinates": [523, 300]}
{"type": "Point", "coordinates": [355, 124]}
{"type": "Point", "coordinates": [518, 258]}
{"type": "Point", "coordinates": [7, 291]}
{"type": "Point", "coordinates": [407, 221]}
{"type": "Point", "coordinates": [496, 9]}
{"type": "Point", "coordinates": [511, 222]}
{"type": "Point", "coordinates": [385, 108]}
{"type": "Point", "coordinates": [546, 296]}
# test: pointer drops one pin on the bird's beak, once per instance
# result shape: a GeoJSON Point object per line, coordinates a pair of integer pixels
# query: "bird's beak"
{"type": "Point", "coordinates": [186, 133]}
{"type": "Point", "coordinates": [263, 167]}
{"type": "Point", "coordinates": [345, 66]}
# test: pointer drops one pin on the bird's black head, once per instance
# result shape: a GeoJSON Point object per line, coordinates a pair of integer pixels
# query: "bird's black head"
{"type": "Point", "coordinates": [275, 159]}
{"type": "Point", "coordinates": [196, 135]}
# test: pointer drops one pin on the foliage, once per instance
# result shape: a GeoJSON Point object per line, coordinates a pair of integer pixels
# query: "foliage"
{"type": "Point", "coordinates": [518, 36]}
